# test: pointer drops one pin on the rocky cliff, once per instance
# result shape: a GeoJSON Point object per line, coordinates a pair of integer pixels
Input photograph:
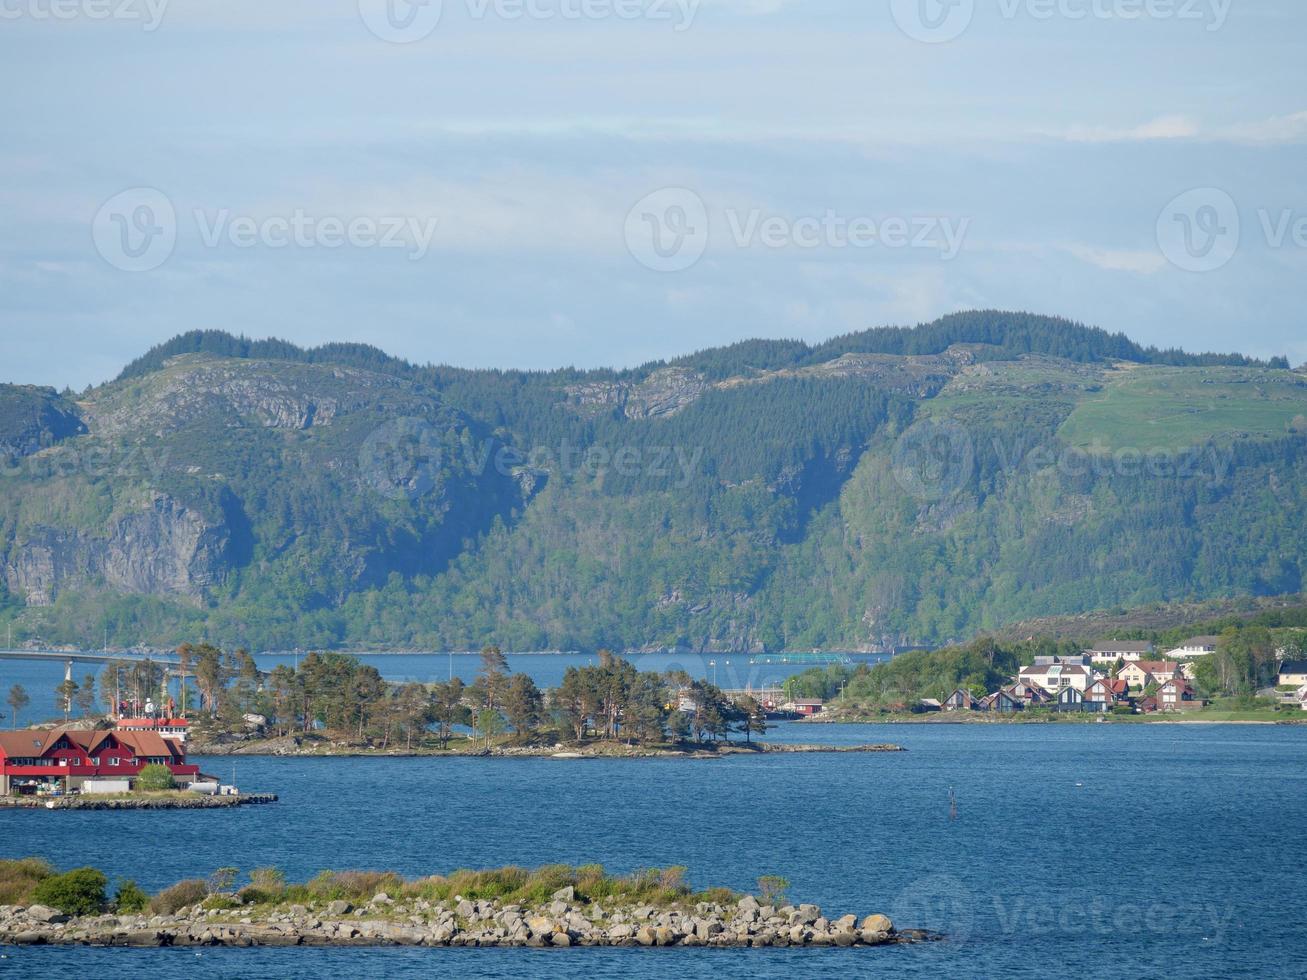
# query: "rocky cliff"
{"type": "Point", "coordinates": [166, 550]}
{"type": "Point", "coordinates": [32, 419]}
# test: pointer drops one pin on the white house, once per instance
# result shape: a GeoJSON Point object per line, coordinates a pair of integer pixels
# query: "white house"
{"type": "Point", "coordinates": [1110, 651]}
{"type": "Point", "coordinates": [1195, 646]}
{"type": "Point", "coordinates": [1293, 673]}
{"type": "Point", "coordinates": [1055, 677]}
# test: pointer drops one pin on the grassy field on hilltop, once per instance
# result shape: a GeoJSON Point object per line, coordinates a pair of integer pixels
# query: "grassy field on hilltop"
{"type": "Point", "coordinates": [1172, 408]}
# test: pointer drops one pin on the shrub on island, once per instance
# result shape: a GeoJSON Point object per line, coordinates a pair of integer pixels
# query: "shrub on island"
{"type": "Point", "coordinates": [77, 892]}
{"type": "Point", "coordinates": [19, 878]}
{"type": "Point", "coordinates": [130, 897]}
{"type": "Point", "coordinates": [181, 895]}
{"type": "Point", "coordinates": [155, 778]}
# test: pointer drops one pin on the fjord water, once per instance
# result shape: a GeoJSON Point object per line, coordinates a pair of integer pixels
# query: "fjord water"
{"type": "Point", "coordinates": [1090, 850]}
{"type": "Point", "coordinates": [729, 670]}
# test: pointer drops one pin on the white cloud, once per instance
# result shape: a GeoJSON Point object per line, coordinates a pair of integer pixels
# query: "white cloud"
{"type": "Point", "coordinates": [1118, 260]}
{"type": "Point", "coordinates": [1277, 129]}
{"type": "Point", "coordinates": [1290, 128]}
{"type": "Point", "coordinates": [1161, 128]}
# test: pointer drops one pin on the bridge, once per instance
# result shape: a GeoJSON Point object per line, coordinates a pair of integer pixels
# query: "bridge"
{"type": "Point", "coordinates": [168, 661]}
{"type": "Point", "coordinates": [90, 657]}
{"type": "Point", "coordinates": [802, 659]}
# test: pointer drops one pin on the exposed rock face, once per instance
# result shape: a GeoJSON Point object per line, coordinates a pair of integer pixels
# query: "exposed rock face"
{"type": "Point", "coordinates": [917, 376]}
{"type": "Point", "coordinates": [32, 419]}
{"type": "Point", "coordinates": [292, 397]}
{"type": "Point", "coordinates": [665, 392]}
{"type": "Point", "coordinates": [150, 498]}
{"type": "Point", "coordinates": [167, 549]}
{"type": "Point", "coordinates": [669, 390]}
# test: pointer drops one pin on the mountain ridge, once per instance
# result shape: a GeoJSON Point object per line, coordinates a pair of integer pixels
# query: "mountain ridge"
{"type": "Point", "coordinates": [991, 467]}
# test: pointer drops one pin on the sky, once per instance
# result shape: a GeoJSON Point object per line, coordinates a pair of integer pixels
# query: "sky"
{"type": "Point", "coordinates": [543, 183]}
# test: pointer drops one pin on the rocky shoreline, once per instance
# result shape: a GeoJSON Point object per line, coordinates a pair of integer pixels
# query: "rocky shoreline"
{"type": "Point", "coordinates": [565, 922]}
{"type": "Point", "coordinates": [182, 801]}
{"type": "Point", "coordinates": [836, 717]}
{"type": "Point", "coordinates": [296, 745]}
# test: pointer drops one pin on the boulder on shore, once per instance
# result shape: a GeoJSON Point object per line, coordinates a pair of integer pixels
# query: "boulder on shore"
{"type": "Point", "coordinates": [402, 921]}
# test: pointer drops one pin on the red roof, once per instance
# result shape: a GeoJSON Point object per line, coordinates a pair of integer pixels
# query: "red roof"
{"type": "Point", "coordinates": [22, 744]}
{"type": "Point", "coordinates": [35, 743]}
{"type": "Point", "coordinates": [1115, 686]}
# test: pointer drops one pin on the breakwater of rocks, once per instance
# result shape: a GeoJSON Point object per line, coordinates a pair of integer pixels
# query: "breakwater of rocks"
{"type": "Point", "coordinates": [564, 922]}
{"type": "Point", "coordinates": [181, 801]}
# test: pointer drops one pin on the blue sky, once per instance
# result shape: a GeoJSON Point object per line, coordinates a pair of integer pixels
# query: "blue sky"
{"type": "Point", "coordinates": [513, 155]}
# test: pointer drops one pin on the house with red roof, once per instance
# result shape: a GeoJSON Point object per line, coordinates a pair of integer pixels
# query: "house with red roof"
{"type": "Point", "coordinates": [1106, 693]}
{"type": "Point", "coordinates": [1141, 673]}
{"type": "Point", "coordinates": [1177, 694]}
{"type": "Point", "coordinates": [64, 759]}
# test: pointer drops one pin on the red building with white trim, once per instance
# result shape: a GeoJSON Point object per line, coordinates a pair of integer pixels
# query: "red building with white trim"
{"type": "Point", "coordinates": [63, 759]}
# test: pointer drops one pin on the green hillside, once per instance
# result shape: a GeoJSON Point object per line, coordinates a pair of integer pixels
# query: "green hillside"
{"type": "Point", "coordinates": [898, 486]}
{"type": "Point", "coordinates": [1172, 408]}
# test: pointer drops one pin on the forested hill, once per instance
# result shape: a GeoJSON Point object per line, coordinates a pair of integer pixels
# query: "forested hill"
{"type": "Point", "coordinates": [895, 486]}
{"type": "Point", "coordinates": [1008, 334]}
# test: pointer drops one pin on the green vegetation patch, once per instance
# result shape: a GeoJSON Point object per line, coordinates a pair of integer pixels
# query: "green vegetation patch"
{"type": "Point", "coordinates": [1149, 408]}
{"type": "Point", "coordinates": [82, 891]}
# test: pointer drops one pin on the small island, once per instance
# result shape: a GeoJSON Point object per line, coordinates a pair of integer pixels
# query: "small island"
{"type": "Point", "coordinates": [511, 747]}
{"type": "Point", "coordinates": [554, 906]}
{"type": "Point", "coordinates": [332, 704]}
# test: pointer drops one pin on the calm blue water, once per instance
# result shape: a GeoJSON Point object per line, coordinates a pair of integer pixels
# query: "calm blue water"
{"type": "Point", "coordinates": [1104, 850]}
{"type": "Point", "coordinates": [734, 671]}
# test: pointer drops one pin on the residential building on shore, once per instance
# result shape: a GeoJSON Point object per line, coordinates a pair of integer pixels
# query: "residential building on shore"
{"type": "Point", "coordinates": [66, 759]}
{"type": "Point", "coordinates": [1052, 677]}
{"type": "Point", "coordinates": [1110, 651]}
{"type": "Point", "coordinates": [1106, 693]}
{"type": "Point", "coordinates": [1140, 674]}
{"type": "Point", "coordinates": [1177, 695]}
{"type": "Point", "coordinates": [1293, 673]}
{"type": "Point", "coordinates": [1195, 646]}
